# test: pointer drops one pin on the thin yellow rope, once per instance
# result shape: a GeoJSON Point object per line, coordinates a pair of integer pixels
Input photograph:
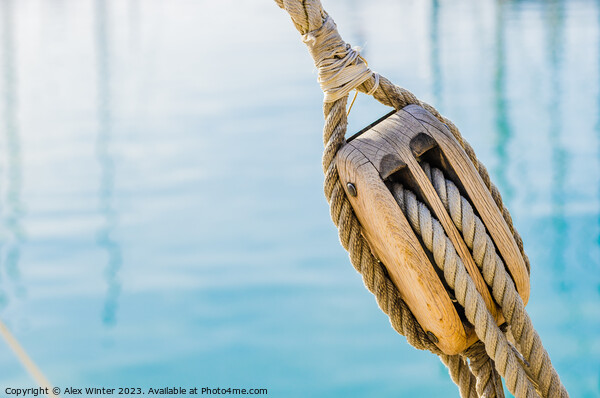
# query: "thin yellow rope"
{"type": "Point", "coordinates": [30, 366]}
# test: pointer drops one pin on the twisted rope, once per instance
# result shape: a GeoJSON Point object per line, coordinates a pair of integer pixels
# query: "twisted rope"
{"type": "Point", "coordinates": [373, 273]}
{"type": "Point", "coordinates": [341, 69]}
{"type": "Point", "coordinates": [447, 260]}
{"type": "Point", "coordinates": [498, 279]}
{"type": "Point", "coordinates": [489, 384]}
{"type": "Point", "coordinates": [461, 375]}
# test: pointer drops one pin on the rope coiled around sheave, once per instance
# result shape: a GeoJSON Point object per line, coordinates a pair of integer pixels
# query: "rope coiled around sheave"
{"type": "Point", "coordinates": [462, 376]}
{"type": "Point", "coordinates": [503, 289]}
{"type": "Point", "coordinates": [479, 378]}
{"type": "Point", "coordinates": [488, 382]}
{"type": "Point", "coordinates": [447, 260]}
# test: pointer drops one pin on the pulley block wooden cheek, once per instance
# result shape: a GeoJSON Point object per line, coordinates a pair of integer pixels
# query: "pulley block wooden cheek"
{"type": "Point", "coordinates": [390, 151]}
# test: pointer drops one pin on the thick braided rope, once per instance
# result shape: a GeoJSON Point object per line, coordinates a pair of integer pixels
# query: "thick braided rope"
{"type": "Point", "coordinates": [447, 260]}
{"type": "Point", "coordinates": [373, 273]}
{"type": "Point", "coordinates": [309, 16]}
{"type": "Point", "coordinates": [461, 375]}
{"type": "Point", "coordinates": [498, 279]}
{"type": "Point", "coordinates": [489, 383]}
{"type": "Point", "coordinates": [397, 97]}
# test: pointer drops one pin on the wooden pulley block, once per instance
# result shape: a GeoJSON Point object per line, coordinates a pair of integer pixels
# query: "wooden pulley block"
{"type": "Point", "coordinates": [390, 150]}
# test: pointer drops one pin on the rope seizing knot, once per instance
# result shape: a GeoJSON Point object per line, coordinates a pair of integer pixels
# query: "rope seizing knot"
{"type": "Point", "coordinates": [341, 68]}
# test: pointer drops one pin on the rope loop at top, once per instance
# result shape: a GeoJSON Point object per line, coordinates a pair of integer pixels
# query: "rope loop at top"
{"type": "Point", "coordinates": [341, 68]}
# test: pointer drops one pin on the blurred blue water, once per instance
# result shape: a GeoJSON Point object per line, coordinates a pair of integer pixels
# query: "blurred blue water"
{"type": "Point", "coordinates": [162, 216]}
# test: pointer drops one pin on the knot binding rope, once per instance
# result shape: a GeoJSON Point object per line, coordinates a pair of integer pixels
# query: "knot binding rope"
{"type": "Point", "coordinates": [341, 68]}
{"type": "Point", "coordinates": [514, 350]}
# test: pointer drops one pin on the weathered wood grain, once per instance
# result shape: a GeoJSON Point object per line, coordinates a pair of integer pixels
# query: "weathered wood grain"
{"type": "Point", "coordinates": [393, 242]}
{"type": "Point", "coordinates": [390, 149]}
{"type": "Point", "coordinates": [480, 198]}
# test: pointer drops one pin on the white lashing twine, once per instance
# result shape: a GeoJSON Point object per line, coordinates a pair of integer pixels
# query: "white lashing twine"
{"type": "Point", "coordinates": [341, 68]}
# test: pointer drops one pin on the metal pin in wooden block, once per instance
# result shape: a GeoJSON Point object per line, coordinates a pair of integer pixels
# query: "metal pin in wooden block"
{"type": "Point", "coordinates": [391, 149]}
